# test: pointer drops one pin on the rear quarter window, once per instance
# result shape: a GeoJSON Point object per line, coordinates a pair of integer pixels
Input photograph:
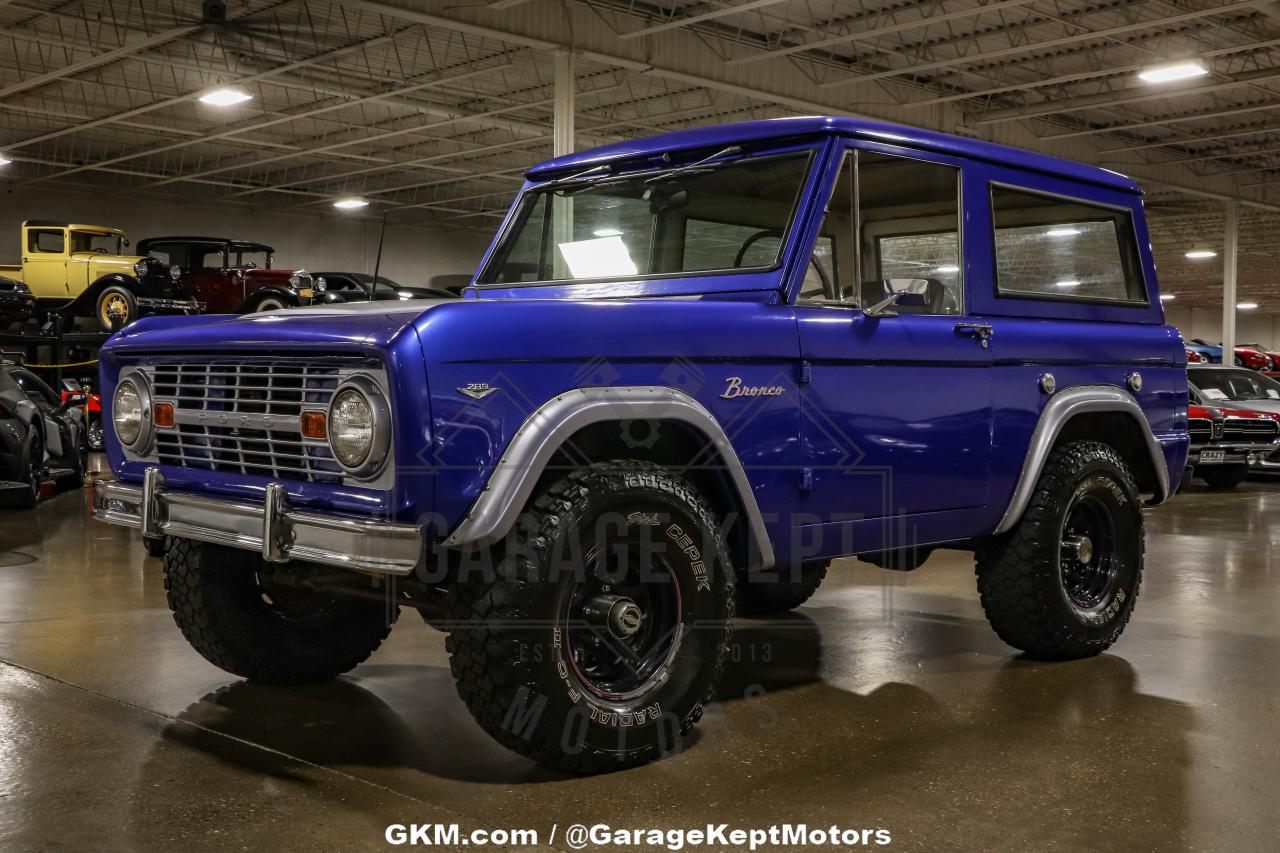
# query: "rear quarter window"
{"type": "Point", "coordinates": [1049, 247]}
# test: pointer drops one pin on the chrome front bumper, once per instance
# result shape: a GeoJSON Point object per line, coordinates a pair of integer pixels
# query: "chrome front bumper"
{"type": "Point", "coordinates": [271, 528]}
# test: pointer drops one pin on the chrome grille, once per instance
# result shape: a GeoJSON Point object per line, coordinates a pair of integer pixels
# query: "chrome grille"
{"type": "Point", "coordinates": [242, 416]}
{"type": "Point", "coordinates": [1250, 429]}
{"type": "Point", "coordinates": [1201, 430]}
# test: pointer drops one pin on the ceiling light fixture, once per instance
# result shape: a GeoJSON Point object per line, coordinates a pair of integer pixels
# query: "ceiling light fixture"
{"type": "Point", "coordinates": [1068, 283]}
{"type": "Point", "coordinates": [1246, 306]}
{"type": "Point", "coordinates": [1200, 254]}
{"type": "Point", "coordinates": [607, 232]}
{"type": "Point", "coordinates": [350, 203]}
{"type": "Point", "coordinates": [1170, 73]}
{"type": "Point", "coordinates": [1062, 232]}
{"type": "Point", "coordinates": [4, 161]}
{"type": "Point", "coordinates": [948, 268]}
{"type": "Point", "coordinates": [225, 97]}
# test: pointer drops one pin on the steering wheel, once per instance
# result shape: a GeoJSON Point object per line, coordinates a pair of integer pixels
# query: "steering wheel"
{"type": "Point", "coordinates": [769, 232]}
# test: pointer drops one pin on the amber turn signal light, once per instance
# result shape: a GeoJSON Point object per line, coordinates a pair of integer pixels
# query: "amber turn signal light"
{"type": "Point", "coordinates": [314, 425]}
{"type": "Point", "coordinates": [162, 414]}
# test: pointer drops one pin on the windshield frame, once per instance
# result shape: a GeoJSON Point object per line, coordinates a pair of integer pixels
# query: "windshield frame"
{"type": "Point", "coordinates": [530, 195]}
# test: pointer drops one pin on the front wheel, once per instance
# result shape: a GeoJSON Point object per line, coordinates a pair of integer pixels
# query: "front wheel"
{"type": "Point", "coordinates": [116, 304]}
{"type": "Point", "coordinates": [242, 614]}
{"type": "Point", "coordinates": [270, 303]}
{"type": "Point", "coordinates": [781, 590]}
{"type": "Point", "coordinates": [595, 641]}
{"type": "Point", "coordinates": [1224, 476]}
{"type": "Point", "coordinates": [1062, 584]}
{"type": "Point", "coordinates": [33, 470]}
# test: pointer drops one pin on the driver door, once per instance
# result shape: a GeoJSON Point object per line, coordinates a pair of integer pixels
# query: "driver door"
{"type": "Point", "coordinates": [897, 435]}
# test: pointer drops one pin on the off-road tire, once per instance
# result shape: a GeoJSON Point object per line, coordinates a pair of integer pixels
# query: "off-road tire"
{"type": "Point", "coordinates": [215, 597]}
{"type": "Point", "coordinates": [1021, 574]}
{"type": "Point", "coordinates": [522, 683]}
{"type": "Point", "coordinates": [780, 590]}
{"type": "Point", "coordinates": [1224, 476]}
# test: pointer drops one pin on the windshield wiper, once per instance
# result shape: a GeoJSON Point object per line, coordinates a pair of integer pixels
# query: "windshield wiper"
{"type": "Point", "coordinates": [603, 167]}
{"type": "Point", "coordinates": [691, 167]}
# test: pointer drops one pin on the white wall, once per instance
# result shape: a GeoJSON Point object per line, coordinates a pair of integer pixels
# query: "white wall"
{"type": "Point", "coordinates": [314, 240]}
{"type": "Point", "coordinates": [1206, 323]}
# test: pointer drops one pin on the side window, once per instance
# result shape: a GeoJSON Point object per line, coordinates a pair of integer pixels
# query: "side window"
{"type": "Point", "coordinates": [889, 219]}
{"type": "Point", "coordinates": [210, 259]}
{"type": "Point", "coordinates": [909, 228]}
{"type": "Point", "coordinates": [50, 241]}
{"type": "Point", "coordinates": [1058, 248]}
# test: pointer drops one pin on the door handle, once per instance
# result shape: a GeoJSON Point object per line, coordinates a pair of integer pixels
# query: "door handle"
{"type": "Point", "coordinates": [982, 331]}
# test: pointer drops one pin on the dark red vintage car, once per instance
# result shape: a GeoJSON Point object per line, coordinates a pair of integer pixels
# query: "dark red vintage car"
{"type": "Point", "coordinates": [230, 276]}
{"type": "Point", "coordinates": [1225, 439]}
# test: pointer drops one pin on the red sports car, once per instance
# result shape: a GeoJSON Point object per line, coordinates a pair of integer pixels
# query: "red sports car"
{"type": "Point", "coordinates": [92, 411]}
{"type": "Point", "coordinates": [1194, 357]}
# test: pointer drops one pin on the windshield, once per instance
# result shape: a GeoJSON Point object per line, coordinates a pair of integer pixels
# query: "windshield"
{"type": "Point", "coordinates": [102, 244]}
{"type": "Point", "coordinates": [722, 217]}
{"type": "Point", "coordinates": [1216, 386]}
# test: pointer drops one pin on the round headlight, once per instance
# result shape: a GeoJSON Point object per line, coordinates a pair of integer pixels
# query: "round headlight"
{"type": "Point", "coordinates": [351, 427]}
{"type": "Point", "coordinates": [175, 272]}
{"type": "Point", "coordinates": [128, 409]}
{"type": "Point", "coordinates": [359, 427]}
{"type": "Point", "coordinates": [141, 267]}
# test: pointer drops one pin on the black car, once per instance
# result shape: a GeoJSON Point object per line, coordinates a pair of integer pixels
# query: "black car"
{"type": "Point", "coordinates": [17, 305]}
{"type": "Point", "coordinates": [354, 287]}
{"type": "Point", "coordinates": [41, 435]}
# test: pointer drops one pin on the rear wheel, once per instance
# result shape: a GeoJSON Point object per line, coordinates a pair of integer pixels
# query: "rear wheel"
{"type": "Point", "coordinates": [94, 434]}
{"type": "Point", "coordinates": [1224, 476]}
{"type": "Point", "coordinates": [598, 638]}
{"type": "Point", "coordinates": [1062, 584]}
{"type": "Point", "coordinates": [241, 614]}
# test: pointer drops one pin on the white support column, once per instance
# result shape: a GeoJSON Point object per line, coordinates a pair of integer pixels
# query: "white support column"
{"type": "Point", "coordinates": [1229, 283]}
{"type": "Point", "coordinates": [562, 109]}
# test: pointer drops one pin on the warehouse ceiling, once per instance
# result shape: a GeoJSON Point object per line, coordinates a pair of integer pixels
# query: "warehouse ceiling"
{"type": "Point", "coordinates": [432, 109]}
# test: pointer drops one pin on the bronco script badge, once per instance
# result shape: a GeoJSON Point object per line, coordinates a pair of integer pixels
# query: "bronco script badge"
{"type": "Point", "coordinates": [734, 389]}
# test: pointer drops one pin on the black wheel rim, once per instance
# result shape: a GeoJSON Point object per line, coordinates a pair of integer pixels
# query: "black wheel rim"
{"type": "Point", "coordinates": [1088, 554]}
{"type": "Point", "coordinates": [623, 622]}
{"type": "Point", "coordinates": [293, 603]}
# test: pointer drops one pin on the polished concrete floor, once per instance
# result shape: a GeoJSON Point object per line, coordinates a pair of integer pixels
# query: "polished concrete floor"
{"type": "Point", "coordinates": [888, 703]}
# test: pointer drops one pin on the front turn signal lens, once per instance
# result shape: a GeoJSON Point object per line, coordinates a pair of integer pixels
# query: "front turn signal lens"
{"type": "Point", "coordinates": [314, 425]}
{"type": "Point", "coordinates": [162, 414]}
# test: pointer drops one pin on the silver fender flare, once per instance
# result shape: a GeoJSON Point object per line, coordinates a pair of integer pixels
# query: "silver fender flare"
{"type": "Point", "coordinates": [1057, 412]}
{"type": "Point", "coordinates": [513, 479]}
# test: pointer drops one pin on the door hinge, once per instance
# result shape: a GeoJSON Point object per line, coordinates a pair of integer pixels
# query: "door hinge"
{"type": "Point", "coordinates": [806, 479]}
{"type": "Point", "coordinates": [806, 372]}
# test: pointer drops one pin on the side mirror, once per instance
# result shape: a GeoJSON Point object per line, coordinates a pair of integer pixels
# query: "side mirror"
{"type": "Point", "coordinates": [905, 292]}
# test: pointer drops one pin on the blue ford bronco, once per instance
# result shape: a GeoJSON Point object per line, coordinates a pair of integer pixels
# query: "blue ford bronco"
{"type": "Point", "coordinates": [690, 371]}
